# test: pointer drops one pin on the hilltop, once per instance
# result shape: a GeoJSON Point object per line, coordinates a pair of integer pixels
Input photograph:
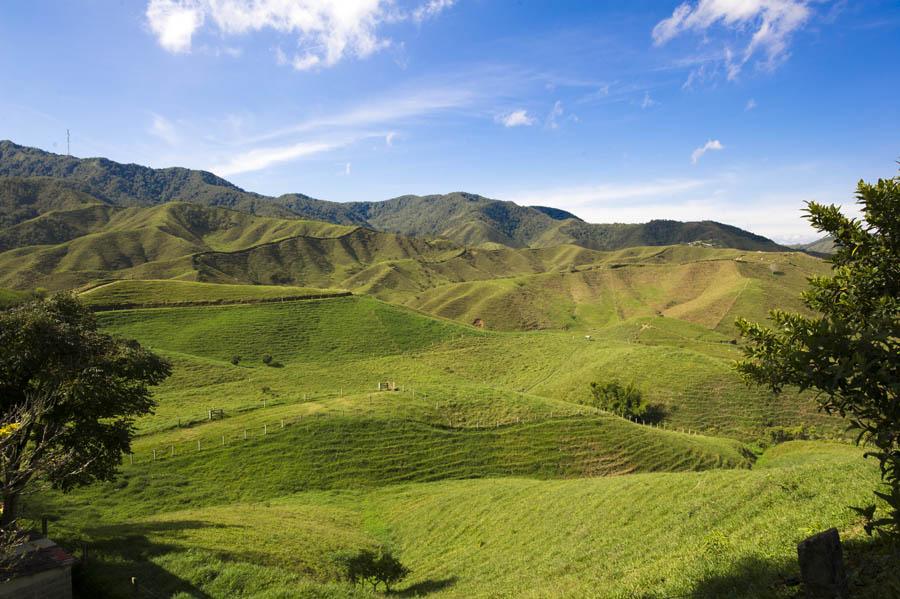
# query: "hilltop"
{"type": "Point", "coordinates": [464, 218]}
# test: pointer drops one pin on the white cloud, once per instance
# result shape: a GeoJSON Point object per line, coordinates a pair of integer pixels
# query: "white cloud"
{"type": "Point", "coordinates": [174, 23]}
{"type": "Point", "coordinates": [555, 113]}
{"type": "Point", "coordinates": [389, 139]}
{"type": "Point", "coordinates": [347, 169]}
{"type": "Point", "coordinates": [430, 9]}
{"type": "Point", "coordinates": [751, 104]}
{"type": "Point", "coordinates": [711, 145]}
{"type": "Point", "coordinates": [163, 128]}
{"type": "Point", "coordinates": [647, 102]}
{"type": "Point", "coordinates": [573, 198]}
{"type": "Point", "coordinates": [776, 215]}
{"type": "Point", "coordinates": [516, 118]}
{"type": "Point", "coordinates": [326, 30]}
{"type": "Point", "coordinates": [770, 24]}
{"type": "Point", "coordinates": [261, 158]}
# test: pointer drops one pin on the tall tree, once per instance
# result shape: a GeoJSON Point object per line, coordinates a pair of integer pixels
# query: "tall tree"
{"type": "Point", "coordinates": [849, 351]}
{"type": "Point", "coordinates": [69, 394]}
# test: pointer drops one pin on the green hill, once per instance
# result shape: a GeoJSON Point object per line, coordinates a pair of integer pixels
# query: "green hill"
{"type": "Point", "coordinates": [482, 471]}
{"type": "Point", "coordinates": [464, 218]}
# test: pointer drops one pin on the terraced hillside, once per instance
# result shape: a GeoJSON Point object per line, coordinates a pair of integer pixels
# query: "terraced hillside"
{"type": "Point", "coordinates": [483, 471]}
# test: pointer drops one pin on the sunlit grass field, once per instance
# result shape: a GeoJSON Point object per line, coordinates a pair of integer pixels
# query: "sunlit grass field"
{"type": "Point", "coordinates": [485, 472]}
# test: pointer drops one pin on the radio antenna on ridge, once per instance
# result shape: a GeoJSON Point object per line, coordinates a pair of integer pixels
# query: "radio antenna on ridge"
{"type": "Point", "coordinates": [68, 144]}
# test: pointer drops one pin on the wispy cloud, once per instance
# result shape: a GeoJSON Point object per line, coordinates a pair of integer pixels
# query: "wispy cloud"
{"type": "Point", "coordinates": [647, 102]}
{"type": "Point", "coordinates": [769, 24]}
{"type": "Point", "coordinates": [516, 118]}
{"type": "Point", "coordinates": [164, 129]}
{"type": "Point", "coordinates": [260, 158]}
{"type": "Point", "coordinates": [751, 104]}
{"type": "Point", "coordinates": [430, 9]}
{"type": "Point", "coordinates": [573, 198]}
{"type": "Point", "coordinates": [555, 113]}
{"type": "Point", "coordinates": [713, 145]}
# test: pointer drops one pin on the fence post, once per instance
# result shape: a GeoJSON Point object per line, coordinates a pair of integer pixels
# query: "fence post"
{"type": "Point", "coordinates": [134, 586]}
{"type": "Point", "coordinates": [245, 434]}
{"type": "Point", "coordinates": [223, 440]}
{"type": "Point", "coordinates": [154, 455]}
{"type": "Point", "coordinates": [265, 429]}
{"type": "Point", "coordinates": [131, 457]}
{"type": "Point", "coordinates": [198, 444]}
{"type": "Point", "coordinates": [172, 449]}
{"type": "Point", "coordinates": [282, 423]}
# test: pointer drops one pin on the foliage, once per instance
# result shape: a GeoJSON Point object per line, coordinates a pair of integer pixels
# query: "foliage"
{"type": "Point", "coordinates": [235, 360]}
{"type": "Point", "coordinates": [267, 359]}
{"type": "Point", "coordinates": [626, 401]}
{"type": "Point", "coordinates": [848, 352]}
{"type": "Point", "coordinates": [372, 567]}
{"type": "Point", "coordinates": [68, 397]}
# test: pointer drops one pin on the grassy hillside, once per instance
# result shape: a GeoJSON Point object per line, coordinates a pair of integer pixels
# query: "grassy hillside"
{"type": "Point", "coordinates": [710, 534]}
{"type": "Point", "coordinates": [483, 471]}
{"type": "Point", "coordinates": [466, 219]}
{"type": "Point", "coordinates": [122, 293]}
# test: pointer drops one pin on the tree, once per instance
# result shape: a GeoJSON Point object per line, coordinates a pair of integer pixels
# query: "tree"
{"type": "Point", "coordinates": [847, 352]}
{"type": "Point", "coordinates": [373, 567]}
{"type": "Point", "coordinates": [68, 398]}
{"type": "Point", "coordinates": [626, 401]}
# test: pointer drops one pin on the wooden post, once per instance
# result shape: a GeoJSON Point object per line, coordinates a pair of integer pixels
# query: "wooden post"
{"type": "Point", "coordinates": [131, 457]}
{"type": "Point", "coordinates": [172, 448]}
{"type": "Point", "coordinates": [198, 444]}
{"type": "Point", "coordinates": [209, 417]}
{"type": "Point", "coordinates": [223, 440]}
{"type": "Point", "coordinates": [265, 429]}
{"type": "Point", "coordinates": [154, 455]}
{"type": "Point", "coordinates": [134, 586]}
{"type": "Point", "coordinates": [245, 434]}
{"type": "Point", "coordinates": [282, 423]}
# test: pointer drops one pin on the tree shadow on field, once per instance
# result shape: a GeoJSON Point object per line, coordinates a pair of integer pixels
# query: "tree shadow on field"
{"type": "Point", "coordinates": [118, 553]}
{"type": "Point", "coordinates": [751, 577]}
{"type": "Point", "coordinates": [425, 587]}
{"type": "Point", "coordinates": [871, 568]}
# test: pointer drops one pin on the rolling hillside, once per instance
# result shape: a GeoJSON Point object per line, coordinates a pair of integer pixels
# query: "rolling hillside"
{"type": "Point", "coordinates": [483, 471]}
{"type": "Point", "coordinates": [464, 218]}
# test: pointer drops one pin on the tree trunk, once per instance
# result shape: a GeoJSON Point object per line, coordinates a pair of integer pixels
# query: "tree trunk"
{"type": "Point", "coordinates": [10, 510]}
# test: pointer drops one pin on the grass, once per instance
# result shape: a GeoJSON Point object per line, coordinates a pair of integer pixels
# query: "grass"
{"type": "Point", "coordinates": [161, 292]}
{"type": "Point", "coordinates": [700, 534]}
{"type": "Point", "coordinates": [484, 472]}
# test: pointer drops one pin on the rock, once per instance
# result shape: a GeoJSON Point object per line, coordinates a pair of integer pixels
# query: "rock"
{"type": "Point", "coordinates": [822, 566]}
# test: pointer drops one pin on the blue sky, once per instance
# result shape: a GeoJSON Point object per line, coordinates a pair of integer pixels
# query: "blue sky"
{"type": "Point", "coordinates": [736, 111]}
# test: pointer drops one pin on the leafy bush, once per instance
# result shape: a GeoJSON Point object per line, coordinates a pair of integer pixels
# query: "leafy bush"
{"type": "Point", "coordinates": [267, 359]}
{"type": "Point", "coordinates": [372, 567]}
{"type": "Point", "coordinates": [626, 401]}
{"type": "Point", "coordinates": [235, 360]}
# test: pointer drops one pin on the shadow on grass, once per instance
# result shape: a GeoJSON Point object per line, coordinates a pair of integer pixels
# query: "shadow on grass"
{"type": "Point", "coordinates": [871, 567]}
{"type": "Point", "coordinates": [118, 553]}
{"type": "Point", "coordinates": [425, 587]}
{"type": "Point", "coordinates": [751, 577]}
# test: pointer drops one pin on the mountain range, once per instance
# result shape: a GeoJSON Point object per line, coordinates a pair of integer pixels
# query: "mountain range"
{"type": "Point", "coordinates": [34, 182]}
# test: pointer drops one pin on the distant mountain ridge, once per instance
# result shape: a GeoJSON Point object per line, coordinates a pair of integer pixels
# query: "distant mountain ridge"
{"type": "Point", "coordinates": [464, 218]}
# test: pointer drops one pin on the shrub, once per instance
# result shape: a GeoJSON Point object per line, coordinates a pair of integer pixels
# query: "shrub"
{"type": "Point", "coordinates": [626, 401]}
{"type": "Point", "coordinates": [235, 360]}
{"type": "Point", "coordinates": [372, 567]}
{"type": "Point", "coordinates": [267, 359]}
